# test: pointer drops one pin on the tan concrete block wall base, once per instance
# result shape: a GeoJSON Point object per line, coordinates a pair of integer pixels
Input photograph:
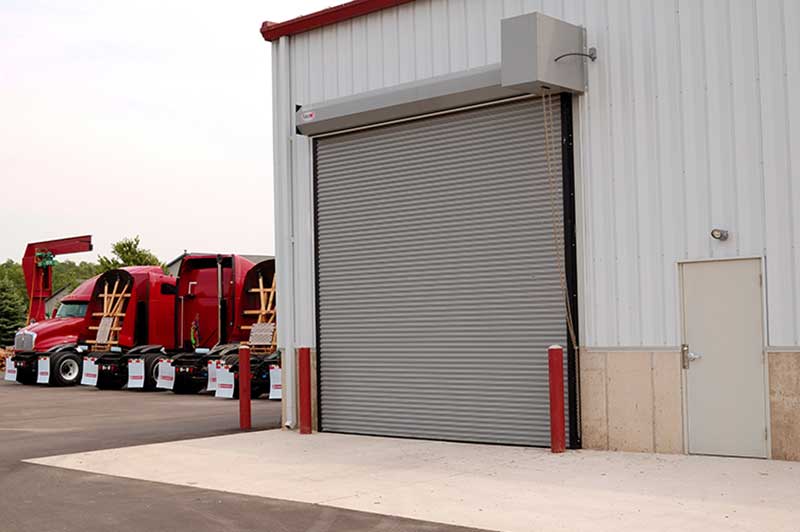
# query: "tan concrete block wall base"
{"type": "Point", "coordinates": [784, 402]}
{"type": "Point", "coordinates": [629, 392]}
{"type": "Point", "coordinates": [594, 408]}
{"type": "Point", "coordinates": [632, 401]}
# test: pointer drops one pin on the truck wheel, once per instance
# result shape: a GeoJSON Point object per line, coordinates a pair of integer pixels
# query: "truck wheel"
{"type": "Point", "coordinates": [185, 387]}
{"type": "Point", "coordinates": [151, 371]}
{"type": "Point", "coordinates": [65, 369]}
{"type": "Point", "coordinates": [255, 391]}
{"type": "Point", "coordinates": [105, 382]}
{"type": "Point", "coordinates": [26, 377]}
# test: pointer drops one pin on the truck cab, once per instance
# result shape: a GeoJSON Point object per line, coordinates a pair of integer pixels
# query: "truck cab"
{"type": "Point", "coordinates": [51, 351]}
{"type": "Point", "coordinates": [56, 334]}
{"type": "Point", "coordinates": [247, 299]}
{"type": "Point", "coordinates": [131, 317]}
{"type": "Point", "coordinates": [208, 315]}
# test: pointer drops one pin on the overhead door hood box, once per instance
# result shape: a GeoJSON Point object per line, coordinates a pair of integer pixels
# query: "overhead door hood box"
{"type": "Point", "coordinates": [530, 46]}
{"type": "Point", "coordinates": [417, 98]}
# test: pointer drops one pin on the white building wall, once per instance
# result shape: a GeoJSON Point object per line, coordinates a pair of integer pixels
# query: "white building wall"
{"type": "Point", "coordinates": [690, 122]}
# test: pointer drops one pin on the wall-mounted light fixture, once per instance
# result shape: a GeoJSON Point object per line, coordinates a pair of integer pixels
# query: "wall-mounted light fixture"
{"type": "Point", "coordinates": [719, 234]}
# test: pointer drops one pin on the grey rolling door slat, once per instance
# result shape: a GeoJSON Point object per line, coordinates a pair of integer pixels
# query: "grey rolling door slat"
{"type": "Point", "coordinates": [438, 282]}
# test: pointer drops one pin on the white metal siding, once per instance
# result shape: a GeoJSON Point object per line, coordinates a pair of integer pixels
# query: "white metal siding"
{"type": "Point", "coordinates": [689, 123]}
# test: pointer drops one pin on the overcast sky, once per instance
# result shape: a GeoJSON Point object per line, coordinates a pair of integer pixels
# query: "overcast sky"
{"type": "Point", "coordinates": [150, 117]}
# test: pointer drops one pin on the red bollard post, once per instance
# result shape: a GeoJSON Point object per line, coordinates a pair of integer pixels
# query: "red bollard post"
{"type": "Point", "coordinates": [304, 388]}
{"type": "Point", "coordinates": [555, 359]}
{"type": "Point", "coordinates": [245, 418]}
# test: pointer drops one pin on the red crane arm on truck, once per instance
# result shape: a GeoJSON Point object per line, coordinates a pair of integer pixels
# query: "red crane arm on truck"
{"type": "Point", "coordinates": [39, 272]}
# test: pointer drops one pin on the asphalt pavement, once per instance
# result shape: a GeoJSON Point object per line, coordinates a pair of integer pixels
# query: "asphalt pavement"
{"type": "Point", "coordinates": [37, 421]}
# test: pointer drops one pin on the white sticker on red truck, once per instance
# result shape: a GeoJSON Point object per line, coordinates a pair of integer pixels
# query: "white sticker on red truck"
{"type": "Point", "coordinates": [11, 370]}
{"type": "Point", "coordinates": [166, 374]}
{"type": "Point", "coordinates": [225, 381]}
{"type": "Point", "coordinates": [275, 389]}
{"type": "Point", "coordinates": [90, 370]}
{"type": "Point", "coordinates": [43, 370]}
{"type": "Point", "coordinates": [135, 373]}
{"type": "Point", "coordinates": [211, 386]}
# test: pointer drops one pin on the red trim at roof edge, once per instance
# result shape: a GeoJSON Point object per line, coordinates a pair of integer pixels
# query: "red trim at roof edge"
{"type": "Point", "coordinates": [272, 31]}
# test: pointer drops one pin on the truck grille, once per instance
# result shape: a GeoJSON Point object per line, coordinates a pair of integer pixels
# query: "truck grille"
{"type": "Point", "coordinates": [24, 340]}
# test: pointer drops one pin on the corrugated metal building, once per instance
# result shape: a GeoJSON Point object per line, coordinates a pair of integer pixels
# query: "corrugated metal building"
{"type": "Point", "coordinates": [687, 124]}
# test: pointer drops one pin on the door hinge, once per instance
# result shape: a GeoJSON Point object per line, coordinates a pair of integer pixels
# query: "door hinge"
{"type": "Point", "coordinates": [685, 356]}
{"type": "Point", "coordinates": [766, 433]}
{"type": "Point", "coordinates": [760, 279]}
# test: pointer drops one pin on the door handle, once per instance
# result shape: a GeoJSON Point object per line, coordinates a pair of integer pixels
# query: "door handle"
{"type": "Point", "coordinates": [688, 356]}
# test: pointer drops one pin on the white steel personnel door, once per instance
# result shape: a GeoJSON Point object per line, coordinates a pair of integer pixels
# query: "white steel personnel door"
{"type": "Point", "coordinates": [724, 357]}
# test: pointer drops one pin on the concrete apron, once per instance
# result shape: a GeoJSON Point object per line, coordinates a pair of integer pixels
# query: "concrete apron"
{"type": "Point", "coordinates": [482, 486]}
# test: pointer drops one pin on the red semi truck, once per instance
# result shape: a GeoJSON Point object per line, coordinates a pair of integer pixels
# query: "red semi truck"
{"type": "Point", "coordinates": [130, 316]}
{"type": "Point", "coordinates": [203, 304]}
{"type": "Point", "coordinates": [254, 290]}
{"type": "Point", "coordinates": [54, 338]}
{"type": "Point", "coordinates": [51, 337]}
{"type": "Point", "coordinates": [140, 314]}
{"type": "Point", "coordinates": [50, 351]}
{"type": "Point", "coordinates": [204, 323]}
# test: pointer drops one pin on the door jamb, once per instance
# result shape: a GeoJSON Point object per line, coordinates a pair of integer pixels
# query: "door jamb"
{"type": "Point", "coordinates": [764, 345]}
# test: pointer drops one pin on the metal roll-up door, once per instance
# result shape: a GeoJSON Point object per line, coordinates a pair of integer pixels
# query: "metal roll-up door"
{"type": "Point", "coordinates": [438, 283]}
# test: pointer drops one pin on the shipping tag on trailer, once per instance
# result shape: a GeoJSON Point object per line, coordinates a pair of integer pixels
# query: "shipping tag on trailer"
{"type": "Point", "coordinates": [212, 376]}
{"type": "Point", "coordinates": [275, 388]}
{"type": "Point", "coordinates": [136, 373]}
{"type": "Point", "coordinates": [166, 374]}
{"type": "Point", "coordinates": [225, 382]}
{"type": "Point", "coordinates": [43, 370]}
{"type": "Point", "coordinates": [11, 370]}
{"type": "Point", "coordinates": [90, 371]}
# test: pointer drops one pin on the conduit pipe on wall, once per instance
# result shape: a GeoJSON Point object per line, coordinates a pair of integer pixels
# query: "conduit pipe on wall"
{"type": "Point", "coordinates": [284, 200]}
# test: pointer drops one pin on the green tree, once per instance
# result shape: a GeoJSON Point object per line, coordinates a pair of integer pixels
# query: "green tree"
{"type": "Point", "coordinates": [13, 272]}
{"type": "Point", "coordinates": [12, 311]}
{"type": "Point", "coordinates": [67, 273]}
{"type": "Point", "coordinates": [71, 274]}
{"type": "Point", "coordinates": [127, 252]}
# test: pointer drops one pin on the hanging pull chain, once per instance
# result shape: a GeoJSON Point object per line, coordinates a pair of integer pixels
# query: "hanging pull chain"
{"type": "Point", "coordinates": [557, 221]}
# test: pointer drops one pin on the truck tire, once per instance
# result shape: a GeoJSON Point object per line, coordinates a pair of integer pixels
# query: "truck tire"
{"type": "Point", "coordinates": [26, 377]}
{"type": "Point", "coordinates": [65, 368]}
{"type": "Point", "coordinates": [104, 382]}
{"type": "Point", "coordinates": [256, 391]}
{"type": "Point", "coordinates": [151, 371]}
{"type": "Point", "coordinates": [186, 387]}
